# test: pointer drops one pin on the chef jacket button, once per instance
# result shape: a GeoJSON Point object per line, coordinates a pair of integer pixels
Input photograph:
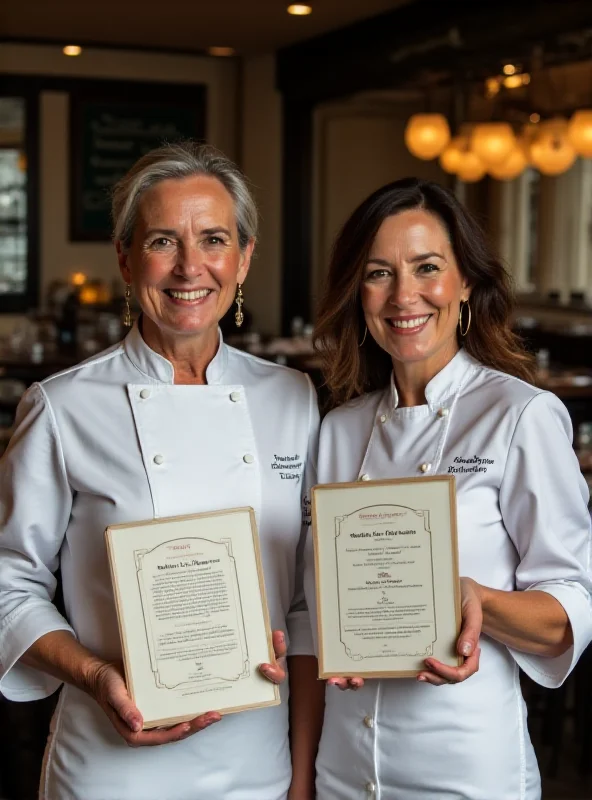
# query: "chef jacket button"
{"type": "Point", "coordinates": [425, 467]}
{"type": "Point", "coordinates": [370, 787]}
{"type": "Point", "coordinates": [364, 477]}
{"type": "Point", "coordinates": [383, 417]}
{"type": "Point", "coordinates": [443, 412]}
{"type": "Point", "coordinates": [158, 459]}
{"type": "Point", "coordinates": [369, 721]}
{"type": "Point", "coordinates": [248, 458]}
{"type": "Point", "coordinates": [145, 394]}
{"type": "Point", "coordinates": [235, 396]}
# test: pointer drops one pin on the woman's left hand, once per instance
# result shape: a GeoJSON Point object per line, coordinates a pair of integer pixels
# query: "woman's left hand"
{"type": "Point", "coordinates": [468, 642]}
{"type": "Point", "coordinates": [276, 673]}
{"type": "Point", "coordinates": [467, 646]}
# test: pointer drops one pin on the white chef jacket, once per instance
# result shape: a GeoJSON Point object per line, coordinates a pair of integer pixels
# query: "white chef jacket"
{"type": "Point", "coordinates": [522, 524]}
{"type": "Point", "coordinates": [114, 440]}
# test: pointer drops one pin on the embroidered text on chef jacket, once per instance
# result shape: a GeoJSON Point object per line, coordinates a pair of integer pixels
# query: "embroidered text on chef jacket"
{"type": "Point", "coordinates": [115, 440]}
{"type": "Point", "coordinates": [522, 524]}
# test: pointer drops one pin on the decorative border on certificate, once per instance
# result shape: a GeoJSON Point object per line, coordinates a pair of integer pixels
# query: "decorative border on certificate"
{"type": "Point", "coordinates": [192, 613]}
{"type": "Point", "coordinates": [380, 594]}
{"type": "Point", "coordinates": [197, 583]}
{"type": "Point", "coordinates": [387, 583]}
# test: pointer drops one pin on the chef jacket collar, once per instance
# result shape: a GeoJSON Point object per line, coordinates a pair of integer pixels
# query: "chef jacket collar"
{"type": "Point", "coordinates": [158, 368]}
{"type": "Point", "coordinates": [444, 384]}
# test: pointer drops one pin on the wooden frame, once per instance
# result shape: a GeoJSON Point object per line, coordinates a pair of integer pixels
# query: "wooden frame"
{"type": "Point", "coordinates": [417, 619]}
{"type": "Point", "coordinates": [176, 670]}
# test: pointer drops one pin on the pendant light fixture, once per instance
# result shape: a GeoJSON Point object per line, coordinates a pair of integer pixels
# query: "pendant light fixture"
{"type": "Point", "coordinates": [493, 142]}
{"type": "Point", "coordinates": [579, 132]}
{"type": "Point", "coordinates": [551, 151]}
{"type": "Point", "coordinates": [426, 135]}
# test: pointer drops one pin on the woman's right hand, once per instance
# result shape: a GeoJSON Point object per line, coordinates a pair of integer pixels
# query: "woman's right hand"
{"type": "Point", "coordinates": [107, 686]}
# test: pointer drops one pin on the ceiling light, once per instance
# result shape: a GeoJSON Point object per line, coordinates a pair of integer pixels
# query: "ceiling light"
{"type": "Point", "coordinates": [493, 142]}
{"type": "Point", "coordinates": [221, 51]}
{"type": "Point", "coordinates": [299, 10]}
{"type": "Point", "coordinates": [451, 157]}
{"type": "Point", "coordinates": [580, 132]}
{"type": "Point", "coordinates": [426, 135]}
{"type": "Point", "coordinates": [492, 87]}
{"type": "Point", "coordinates": [512, 167]}
{"type": "Point", "coordinates": [78, 279]}
{"type": "Point", "coordinates": [551, 151]}
{"type": "Point", "coordinates": [513, 81]}
{"type": "Point", "coordinates": [471, 169]}
{"type": "Point", "coordinates": [72, 50]}
{"type": "Point", "coordinates": [509, 69]}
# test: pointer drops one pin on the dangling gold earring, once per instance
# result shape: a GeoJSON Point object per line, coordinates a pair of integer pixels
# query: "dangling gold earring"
{"type": "Point", "coordinates": [127, 312]}
{"type": "Point", "coordinates": [239, 300]}
{"type": "Point", "coordinates": [364, 337]}
{"type": "Point", "coordinates": [464, 303]}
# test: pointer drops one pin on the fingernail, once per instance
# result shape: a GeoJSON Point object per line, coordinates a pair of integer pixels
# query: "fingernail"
{"type": "Point", "coordinates": [465, 648]}
{"type": "Point", "coordinates": [420, 678]}
{"type": "Point", "coordinates": [135, 725]}
{"type": "Point", "coordinates": [281, 638]}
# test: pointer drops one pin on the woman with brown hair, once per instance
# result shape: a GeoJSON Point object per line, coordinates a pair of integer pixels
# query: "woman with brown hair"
{"type": "Point", "coordinates": [426, 377]}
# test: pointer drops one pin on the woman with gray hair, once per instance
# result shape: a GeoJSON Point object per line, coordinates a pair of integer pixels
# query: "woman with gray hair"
{"type": "Point", "coordinates": [170, 421]}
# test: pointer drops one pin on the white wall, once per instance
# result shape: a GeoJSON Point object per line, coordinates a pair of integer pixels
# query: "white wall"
{"type": "Point", "coordinates": [58, 256]}
{"type": "Point", "coordinates": [359, 146]}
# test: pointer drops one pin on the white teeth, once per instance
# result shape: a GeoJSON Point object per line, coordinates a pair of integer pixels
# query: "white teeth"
{"type": "Point", "coordinates": [409, 323]}
{"type": "Point", "coordinates": [189, 295]}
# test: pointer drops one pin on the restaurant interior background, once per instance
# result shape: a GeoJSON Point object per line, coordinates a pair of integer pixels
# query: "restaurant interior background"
{"type": "Point", "coordinates": [318, 109]}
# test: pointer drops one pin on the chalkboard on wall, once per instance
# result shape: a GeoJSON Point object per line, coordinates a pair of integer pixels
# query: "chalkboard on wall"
{"type": "Point", "coordinates": [110, 129]}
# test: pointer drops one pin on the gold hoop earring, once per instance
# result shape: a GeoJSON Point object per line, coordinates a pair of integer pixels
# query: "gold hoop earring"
{"type": "Point", "coordinates": [464, 304]}
{"type": "Point", "coordinates": [127, 312]}
{"type": "Point", "coordinates": [364, 337]}
{"type": "Point", "coordinates": [239, 300]}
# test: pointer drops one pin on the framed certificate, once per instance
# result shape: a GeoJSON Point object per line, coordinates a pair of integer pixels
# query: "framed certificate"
{"type": "Point", "coordinates": [387, 582]}
{"type": "Point", "coordinates": [192, 614]}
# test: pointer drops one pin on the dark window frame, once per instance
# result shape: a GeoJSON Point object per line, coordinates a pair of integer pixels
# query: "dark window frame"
{"type": "Point", "coordinates": [19, 302]}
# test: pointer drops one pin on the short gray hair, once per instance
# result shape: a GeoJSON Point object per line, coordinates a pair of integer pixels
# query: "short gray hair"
{"type": "Point", "coordinates": [176, 161]}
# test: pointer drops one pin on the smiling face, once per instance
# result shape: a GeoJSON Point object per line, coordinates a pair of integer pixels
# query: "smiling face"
{"type": "Point", "coordinates": [412, 289]}
{"type": "Point", "coordinates": [185, 261]}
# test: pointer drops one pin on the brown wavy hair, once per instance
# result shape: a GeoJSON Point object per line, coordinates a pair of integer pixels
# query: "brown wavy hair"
{"type": "Point", "coordinates": [350, 369]}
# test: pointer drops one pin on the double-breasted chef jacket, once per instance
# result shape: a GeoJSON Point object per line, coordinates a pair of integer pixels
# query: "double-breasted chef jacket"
{"type": "Point", "coordinates": [522, 524]}
{"type": "Point", "coordinates": [114, 440]}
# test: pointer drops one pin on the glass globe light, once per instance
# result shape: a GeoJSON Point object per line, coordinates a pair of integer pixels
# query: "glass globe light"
{"type": "Point", "coordinates": [513, 166]}
{"type": "Point", "coordinates": [579, 132]}
{"type": "Point", "coordinates": [426, 135]}
{"type": "Point", "coordinates": [471, 169]}
{"type": "Point", "coordinates": [451, 156]}
{"type": "Point", "coordinates": [493, 142]}
{"type": "Point", "coordinates": [551, 151]}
